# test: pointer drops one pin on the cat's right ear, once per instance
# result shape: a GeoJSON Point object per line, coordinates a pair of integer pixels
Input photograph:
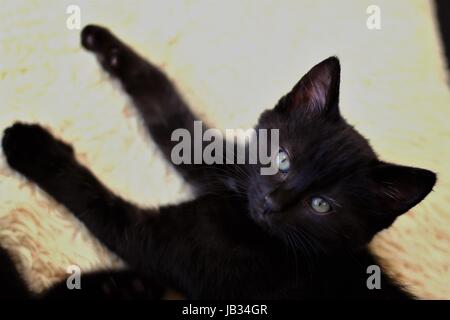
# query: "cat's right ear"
{"type": "Point", "coordinates": [399, 188]}
{"type": "Point", "coordinates": [317, 92]}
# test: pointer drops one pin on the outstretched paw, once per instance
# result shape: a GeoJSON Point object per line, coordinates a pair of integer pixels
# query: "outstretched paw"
{"type": "Point", "coordinates": [120, 61]}
{"type": "Point", "coordinates": [33, 151]}
{"type": "Point", "coordinates": [115, 57]}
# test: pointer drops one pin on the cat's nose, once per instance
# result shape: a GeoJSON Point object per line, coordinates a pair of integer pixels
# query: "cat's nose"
{"type": "Point", "coordinates": [271, 203]}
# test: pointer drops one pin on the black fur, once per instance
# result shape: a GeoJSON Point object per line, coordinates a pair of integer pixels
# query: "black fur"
{"type": "Point", "coordinates": [245, 235]}
{"type": "Point", "coordinates": [12, 286]}
{"type": "Point", "coordinates": [124, 284]}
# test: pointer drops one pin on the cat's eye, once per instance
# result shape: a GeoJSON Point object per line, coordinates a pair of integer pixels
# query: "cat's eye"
{"type": "Point", "coordinates": [282, 161]}
{"type": "Point", "coordinates": [320, 205]}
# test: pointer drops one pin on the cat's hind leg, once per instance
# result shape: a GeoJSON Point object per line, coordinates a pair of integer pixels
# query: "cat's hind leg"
{"type": "Point", "coordinates": [12, 286]}
{"type": "Point", "coordinates": [120, 284]}
{"type": "Point", "coordinates": [51, 164]}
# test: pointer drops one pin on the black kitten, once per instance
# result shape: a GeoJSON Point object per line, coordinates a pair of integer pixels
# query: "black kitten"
{"type": "Point", "coordinates": [301, 233]}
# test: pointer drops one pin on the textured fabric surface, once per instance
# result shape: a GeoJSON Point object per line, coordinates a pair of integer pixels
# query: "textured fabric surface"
{"type": "Point", "coordinates": [231, 60]}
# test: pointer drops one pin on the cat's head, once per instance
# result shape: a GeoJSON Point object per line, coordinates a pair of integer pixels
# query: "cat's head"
{"type": "Point", "coordinates": [330, 186]}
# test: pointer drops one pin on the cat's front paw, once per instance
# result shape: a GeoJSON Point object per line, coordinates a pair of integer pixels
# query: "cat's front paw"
{"type": "Point", "coordinates": [33, 151]}
{"type": "Point", "coordinates": [115, 57]}
{"type": "Point", "coordinates": [110, 51]}
{"type": "Point", "coordinates": [95, 38]}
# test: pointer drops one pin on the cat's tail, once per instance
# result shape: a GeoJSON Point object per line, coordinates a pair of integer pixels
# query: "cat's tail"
{"type": "Point", "coordinates": [12, 286]}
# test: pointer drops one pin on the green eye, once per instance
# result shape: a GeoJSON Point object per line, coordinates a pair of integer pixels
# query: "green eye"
{"type": "Point", "coordinates": [282, 161]}
{"type": "Point", "coordinates": [320, 205]}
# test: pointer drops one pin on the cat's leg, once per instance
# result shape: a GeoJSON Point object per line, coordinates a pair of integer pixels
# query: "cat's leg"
{"type": "Point", "coordinates": [51, 164]}
{"type": "Point", "coordinates": [12, 286]}
{"type": "Point", "coordinates": [121, 284]}
{"type": "Point", "coordinates": [155, 97]}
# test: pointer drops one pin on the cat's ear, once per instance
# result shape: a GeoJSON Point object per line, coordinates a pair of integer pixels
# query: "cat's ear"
{"type": "Point", "coordinates": [399, 188]}
{"type": "Point", "coordinates": [317, 93]}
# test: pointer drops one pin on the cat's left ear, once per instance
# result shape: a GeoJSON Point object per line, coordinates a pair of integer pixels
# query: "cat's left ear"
{"type": "Point", "coordinates": [317, 93]}
{"type": "Point", "coordinates": [399, 188]}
